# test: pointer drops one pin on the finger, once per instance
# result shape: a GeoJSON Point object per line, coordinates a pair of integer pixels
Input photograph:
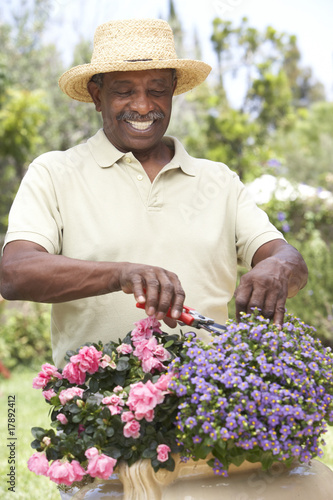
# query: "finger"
{"type": "Point", "coordinates": [171, 323]}
{"type": "Point", "coordinates": [152, 294]}
{"type": "Point", "coordinates": [274, 307]}
{"type": "Point", "coordinates": [178, 299]}
{"type": "Point", "coordinates": [279, 314]}
{"type": "Point", "coordinates": [242, 298]}
{"type": "Point", "coordinates": [257, 299]}
{"type": "Point", "coordinates": [137, 288]}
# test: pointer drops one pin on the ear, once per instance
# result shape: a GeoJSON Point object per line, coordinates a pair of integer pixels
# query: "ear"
{"type": "Point", "coordinates": [94, 90]}
{"type": "Point", "coordinates": [174, 85]}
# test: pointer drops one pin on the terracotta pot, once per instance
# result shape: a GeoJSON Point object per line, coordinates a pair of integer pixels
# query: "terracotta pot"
{"type": "Point", "coordinates": [196, 481]}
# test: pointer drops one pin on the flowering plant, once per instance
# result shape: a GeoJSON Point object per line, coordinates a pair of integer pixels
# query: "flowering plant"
{"type": "Point", "coordinates": [253, 393]}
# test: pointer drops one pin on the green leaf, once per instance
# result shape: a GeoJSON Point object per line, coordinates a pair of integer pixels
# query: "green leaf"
{"type": "Point", "coordinates": [170, 464]}
{"type": "Point", "coordinates": [110, 431]}
{"type": "Point", "coordinates": [77, 418]}
{"type": "Point", "coordinates": [38, 432]}
{"type": "Point", "coordinates": [201, 451]}
{"type": "Point", "coordinates": [169, 344]}
{"type": "Point", "coordinates": [122, 364]}
{"type": "Point", "coordinates": [112, 451]}
{"type": "Point", "coordinates": [35, 445]}
{"type": "Point", "coordinates": [147, 453]}
{"type": "Point", "coordinates": [51, 454]}
{"type": "Point", "coordinates": [93, 385]}
{"type": "Point", "coordinates": [73, 408]}
{"type": "Point", "coordinates": [267, 460]}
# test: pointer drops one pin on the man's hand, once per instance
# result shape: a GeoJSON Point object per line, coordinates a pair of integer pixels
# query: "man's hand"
{"type": "Point", "coordinates": [279, 272]}
{"type": "Point", "coordinates": [156, 287]}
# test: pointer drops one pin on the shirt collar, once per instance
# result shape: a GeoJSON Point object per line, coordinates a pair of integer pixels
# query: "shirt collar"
{"type": "Point", "coordinates": [106, 155]}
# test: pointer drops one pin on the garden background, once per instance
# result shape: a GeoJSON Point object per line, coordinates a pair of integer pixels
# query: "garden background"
{"type": "Point", "coordinates": [262, 111]}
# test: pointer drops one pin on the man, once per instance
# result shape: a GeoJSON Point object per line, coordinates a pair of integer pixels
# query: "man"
{"type": "Point", "coordinates": [131, 213]}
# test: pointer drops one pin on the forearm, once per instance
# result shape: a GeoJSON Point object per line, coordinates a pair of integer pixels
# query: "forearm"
{"type": "Point", "coordinates": [41, 277]}
{"type": "Point", "coordinates": [29, 272]}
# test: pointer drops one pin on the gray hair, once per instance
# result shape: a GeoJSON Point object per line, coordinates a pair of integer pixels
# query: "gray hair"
{"type": "Point", "coordinates": [99, 77]}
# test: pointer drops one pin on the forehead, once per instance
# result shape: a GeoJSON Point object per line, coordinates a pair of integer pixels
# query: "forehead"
{"type": "Point", "coordinates": [134, 77]}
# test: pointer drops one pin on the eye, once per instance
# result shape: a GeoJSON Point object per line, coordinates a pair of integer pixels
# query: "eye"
{"type": "Point", "coordinates": [158, 93]}
{"type": "Point", "coordinates": [123, 93]}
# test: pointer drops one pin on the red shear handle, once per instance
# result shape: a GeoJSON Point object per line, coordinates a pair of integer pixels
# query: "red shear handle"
{"type": "Point", "coordinates": [185, 316]}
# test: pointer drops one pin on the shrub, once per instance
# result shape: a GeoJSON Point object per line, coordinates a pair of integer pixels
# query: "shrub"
{"type": "Point", "coordinates": [25, 337]}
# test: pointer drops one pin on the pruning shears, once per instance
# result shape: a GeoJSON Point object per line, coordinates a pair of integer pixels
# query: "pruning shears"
{"type": "Point", "coordinates": [193, 318]}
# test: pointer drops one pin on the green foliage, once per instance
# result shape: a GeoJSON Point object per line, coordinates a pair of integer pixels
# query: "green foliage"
{"type": "Point", "coordinates": [307, 148]}
{"type": "Point", "coordinates": [25, 337]}
{"type": "Point", "coordinates": [308, 226]}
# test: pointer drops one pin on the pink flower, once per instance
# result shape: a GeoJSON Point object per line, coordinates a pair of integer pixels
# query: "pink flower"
{"type": "Point", "coordinates": [88, 359]}
{"type": "Point", "coordinates": [132, 429]}
{"type": "Point", "coordinates": [45, 375]}
{"type": "Point", "coordinates": [163, 382]}
{"type": "Point", "coordinates": [113, 400]}
{"type": "Point", "coordinates": [143, 398]}
{"type": "Point", "coordinates": [68, 394]}
{"type": "Point", "coordinates": [105, 361]}
{"type": "Point", "coordinates": [66, 472]}
{"type": "Point", "coordinates": [114, 403]}
{"type": "Point", "coordinates": [49, 394]}
{"type": "Point", "coordinates": [152, 364]}
{"type": "Point", "coordinates": [124, 349]}
{"type": "Point", "coordinates": [99, 465]}
{"type": "Point", "coordinates": [118, 388]}
{"type": "Point", "coordinates": [62, 419]}
{"type": "Point", "coordinates": [151, 354]}
{"type": "Point", "coordinates": [144, 328]}
{"type": "Point", "coordinates": [161, 353]}
{"type": "Point", "coordinates": [163, 452]}
{"type": "Point", "coordinates": [145, 348]}
{"type": "Point", "coordinates": [114, 410]}
{"type": "Point", "coordinates": [127, 416]}
{"type": "Point", "coordinates": [73, 373]}
{"type": "Point", "coordinates": [38, 464]}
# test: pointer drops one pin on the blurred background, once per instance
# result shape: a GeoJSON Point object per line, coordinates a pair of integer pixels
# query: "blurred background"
{"type": "Point", "coordinates": [266, 111]}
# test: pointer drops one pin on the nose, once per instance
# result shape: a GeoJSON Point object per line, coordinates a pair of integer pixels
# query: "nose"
{"type": "Point", "coordinates": [141, 103]}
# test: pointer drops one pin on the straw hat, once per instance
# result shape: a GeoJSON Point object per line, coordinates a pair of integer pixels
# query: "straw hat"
{"type": "Point", "coordinates": [133, 45]}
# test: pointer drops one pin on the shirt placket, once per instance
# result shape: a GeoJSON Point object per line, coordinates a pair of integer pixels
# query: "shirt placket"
{"type": "Point", "coordinates": [151, 193]}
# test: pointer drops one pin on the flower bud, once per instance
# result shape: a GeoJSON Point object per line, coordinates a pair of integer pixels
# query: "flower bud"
{"type": "Point", "coordinates": [46, 440]}
{"type": "Point", "coordinates": [80, 403]}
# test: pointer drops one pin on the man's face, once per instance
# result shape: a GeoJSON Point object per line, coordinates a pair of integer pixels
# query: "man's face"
{"type": "Point", "coordinates": [136, 107]}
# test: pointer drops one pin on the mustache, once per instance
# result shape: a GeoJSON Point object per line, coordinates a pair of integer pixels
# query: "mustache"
{"type": "Point", "coordinates": [134, 116]}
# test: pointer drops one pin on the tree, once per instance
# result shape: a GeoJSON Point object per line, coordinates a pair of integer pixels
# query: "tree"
{"type": "Point", "coordinates": [306, 150]}
{"type": "Point", "coordinates": [35, 116]}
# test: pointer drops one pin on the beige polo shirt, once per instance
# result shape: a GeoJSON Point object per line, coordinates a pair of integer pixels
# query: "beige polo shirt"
{"type": "Point", "coordinates": [93, 202]}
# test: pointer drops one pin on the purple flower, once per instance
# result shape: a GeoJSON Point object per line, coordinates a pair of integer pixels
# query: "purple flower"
{"type": "Point", "coordinates": [191, 422]}
{"type": "Point", "coordinates": [207, 427]}
{"type": "Point", "coordinates": [281, 216]}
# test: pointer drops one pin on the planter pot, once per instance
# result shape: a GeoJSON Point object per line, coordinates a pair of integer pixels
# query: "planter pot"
{"type": "Point", "coordinates": [196, 481]}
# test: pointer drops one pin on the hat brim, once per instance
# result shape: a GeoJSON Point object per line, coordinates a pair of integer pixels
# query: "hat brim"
{"type": "Point", "coordinates": [190, 73]}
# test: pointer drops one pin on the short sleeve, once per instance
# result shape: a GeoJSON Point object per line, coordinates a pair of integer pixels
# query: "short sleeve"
{"type": "Point", "coordinates": [253, 228]}
{"type": "Point", "coordinates": [34, 215]}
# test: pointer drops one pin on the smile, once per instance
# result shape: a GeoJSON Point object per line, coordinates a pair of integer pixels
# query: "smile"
{"type": "Point", "coordinates": [143, 125]}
